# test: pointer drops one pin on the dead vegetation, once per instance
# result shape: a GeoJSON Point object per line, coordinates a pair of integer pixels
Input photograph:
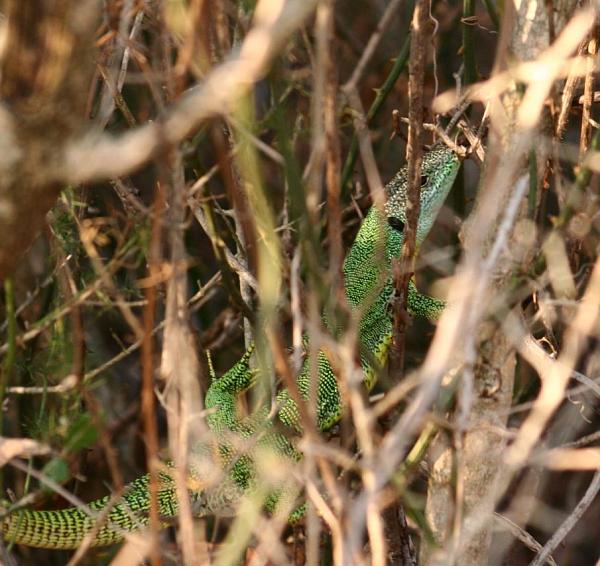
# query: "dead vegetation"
{"type": "Point", "coordinates": [177, 177]}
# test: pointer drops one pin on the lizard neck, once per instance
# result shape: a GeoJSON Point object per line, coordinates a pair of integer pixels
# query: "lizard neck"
{"type": "Point", "coordinates": [367, 268]}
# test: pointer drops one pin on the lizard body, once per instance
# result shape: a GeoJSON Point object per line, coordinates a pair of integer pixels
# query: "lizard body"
{"type": "Point", "coordinates": [368, 288]}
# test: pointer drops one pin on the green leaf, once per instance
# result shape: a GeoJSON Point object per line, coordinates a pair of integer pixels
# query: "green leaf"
{"type": "Point", "coordinates": [57, 470]}
{"type": "Point", "coordinates": [81, 434]}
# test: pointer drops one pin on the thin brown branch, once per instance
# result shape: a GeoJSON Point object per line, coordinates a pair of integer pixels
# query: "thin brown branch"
{"type": "Point", "coordinates": [195, 302]}
{"type": "Point", "coordinates": [588, 92]}
{"type": "Point", "coordinates": [369, 50]}
{"type": "Point", "coordinates": [554, 386]}
{"type": "Point", "coordinates": [522, 535]}
{"type": "Point", "coordinates": [570, 521]}
{"type": "Point", "coordinates": [568, 93]}
{"type": "Point", "coordinates": [333, 158]}
{"type": "Point", "coordinates": [404, 270]}
{"type": "Point", "coordinates": [148, 404]}
{"type": "Point", "coordinates": [179, 364]}
{"type": "Point", "coordinates": [97, 157]}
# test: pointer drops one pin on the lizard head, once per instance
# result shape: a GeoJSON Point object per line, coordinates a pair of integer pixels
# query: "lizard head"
{"type": "Point", "coordinates": [438, 171]}
{"type": "Point", "coordinates": [365, 265]}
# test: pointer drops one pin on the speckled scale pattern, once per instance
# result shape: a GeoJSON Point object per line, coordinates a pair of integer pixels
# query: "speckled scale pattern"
{"type": "Point", "coordinates": [66, 528]}
{"type": "Point", "coordinates": [368, 287]}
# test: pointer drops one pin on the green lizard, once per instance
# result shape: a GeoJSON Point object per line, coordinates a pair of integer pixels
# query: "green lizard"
{"type": "Point", "coordinates": [368, 287]}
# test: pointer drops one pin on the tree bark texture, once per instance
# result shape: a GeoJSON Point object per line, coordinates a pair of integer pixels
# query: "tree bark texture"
{"type": "Point", "coordinates": [528, 28]}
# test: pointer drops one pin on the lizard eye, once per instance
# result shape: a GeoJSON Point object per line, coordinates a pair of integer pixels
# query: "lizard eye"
{"type": "Point", "coordinates": [424, 180]}
{"type": "Point", "coordinates": [396, 223]}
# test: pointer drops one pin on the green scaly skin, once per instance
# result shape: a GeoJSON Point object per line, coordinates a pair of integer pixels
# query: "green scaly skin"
{"type": "Point", "coordinates": [66, 528]}
{"type": "Point", "coordinates": [369, 287]}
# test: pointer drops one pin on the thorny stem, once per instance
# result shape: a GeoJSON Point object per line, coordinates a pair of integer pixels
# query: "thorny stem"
{"type": "Point", "coordinates": [404, 270]}
{"type": "Point", "coordinates": [470, 74]}
{"type": "Point", "coordinates": [382, 94]}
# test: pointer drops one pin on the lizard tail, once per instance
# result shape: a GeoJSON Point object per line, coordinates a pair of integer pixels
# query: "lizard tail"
{"type": "Point", "coordinates": [67, 528]}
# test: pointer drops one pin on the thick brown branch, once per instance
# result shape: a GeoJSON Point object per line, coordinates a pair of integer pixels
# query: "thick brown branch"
{"type": "Point", "coordinates": [46, 71]}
